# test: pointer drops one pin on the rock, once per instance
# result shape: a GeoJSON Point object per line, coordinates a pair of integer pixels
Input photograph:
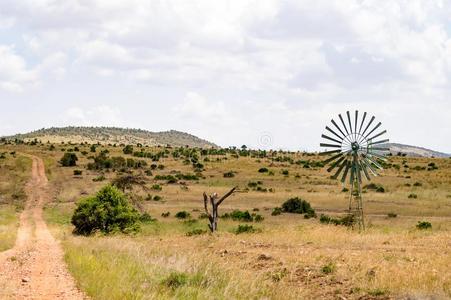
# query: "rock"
{"type": "Point", "coordinates": [25, 279]}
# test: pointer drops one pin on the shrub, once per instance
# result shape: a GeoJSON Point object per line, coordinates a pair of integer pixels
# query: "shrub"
{"type": "Point", "coordinates": [196, 232]}
{"type": "Point", "coordinates": [276, 211]}
{"type": "Point", "coordinates": [328, 268]}
{"type": "Point", "coordinates": [380, 189]}
{"type": "Point", "coordinates": [422, 225]}
{"type": "Point", "coordinates": [348, 220]}
{"type": "Point", "coordinates": [258, 218]}
{"type": "Point", "coordinates": [78, 172]}
{"type": "Point", "coordinates": [285, 172]}
{"type": "Point", "coordinates": [417, 184]}
{"type": "Point", "coordinates": [263, 170]}
{"type": "Point", "coordinates": [412, 196]}
{"type": "Point", "coordinates": [69, 160]}
{"type": "Point", "coordinates": [244, 229]}
{"type": "Point", "coordinates": [392, 215]}
{"type": "Point", "coordinates": [156, 187]}
{"type": "Point", "coordinates": [297, 206]}
{"type": "Point", "coordinates": [108, 211]}
{"type": "Point", "coordinates": [165, 214]}
{"type": "Point", "coordinates": [175, 280]}
{"type": "Point", "coordinates": [238, 215]}
{"type": "Point", "coordinates": [128, 149]}
{"type": "Point", "coordinates": [344, 190]}
{"type": "Point", "coordinates": [229, 174]}
{"type": "Point", "coordinates": [146, 218]}
{"type": "Point", "coordinates": [99, 178]}
{"type": "Point", "coordinates": [182, 214]}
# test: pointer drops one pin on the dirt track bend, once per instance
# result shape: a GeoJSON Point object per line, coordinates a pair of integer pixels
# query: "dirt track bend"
{"type": "Point", "coordinates": [34, 268]}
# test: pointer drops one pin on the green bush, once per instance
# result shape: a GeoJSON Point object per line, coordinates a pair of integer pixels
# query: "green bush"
{"type": "Point", "coordinates": [156, 187]}
{"type": "Point", "coordinates": [146, 218]}
{"type": "Point", "coordinates": [69, 160]}
{"type": "Point", "coordinates": [245, 229]}
{"type": "Point", "coordinates": [182, 214]}
{"type": "Point", "coordinates": [348, 220]}
{"type": "Point", "coordinates": [328, 268]}
{"type": "Point", "coordinates": [258, 218]}
{"type": "Point", "coordinates": [238, 215]}
{"type": "Point", "coordinates": [424, 225]}
{"type": "Point", "coordinates": [108, 211]}
{"type": "Point", "coordinates": [128, 149]}
{"type": "Point", "coordinates": [298, 206]}
{"type": "Point", "coordinates": [263, 170]}
{"type": "Point", "coordinates": [276, 211]}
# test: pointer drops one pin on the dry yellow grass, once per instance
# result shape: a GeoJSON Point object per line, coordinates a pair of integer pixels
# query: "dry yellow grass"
{"type": "Point", "coordinates": [290, 258]}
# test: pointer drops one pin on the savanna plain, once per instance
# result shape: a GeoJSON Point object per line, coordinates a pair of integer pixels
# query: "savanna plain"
{"type": "Point", "coordinates": [260, 252]}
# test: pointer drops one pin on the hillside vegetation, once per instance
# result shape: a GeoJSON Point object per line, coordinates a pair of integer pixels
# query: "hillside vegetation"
{"type": "Point", "coordinates": [113, 135]}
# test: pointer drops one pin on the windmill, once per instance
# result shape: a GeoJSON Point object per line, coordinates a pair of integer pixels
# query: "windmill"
{"type": "Point", "coordinates": [358, 152]}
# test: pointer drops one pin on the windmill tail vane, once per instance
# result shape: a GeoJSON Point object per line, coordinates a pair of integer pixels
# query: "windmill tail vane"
{"type": "Point", "coordinates": [357, 148]}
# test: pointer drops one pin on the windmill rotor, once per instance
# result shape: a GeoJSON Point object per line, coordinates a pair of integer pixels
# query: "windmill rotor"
{"type": "Point", "coordinates": [357, 149]}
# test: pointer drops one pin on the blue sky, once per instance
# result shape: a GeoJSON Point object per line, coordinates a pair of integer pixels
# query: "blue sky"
{"type": "Point", "coordinates": [269, 74]}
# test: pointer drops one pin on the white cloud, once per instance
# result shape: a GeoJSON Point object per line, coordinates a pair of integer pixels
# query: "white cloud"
{"type": "Point", "coordinates": [103, 115]}
{"type": "Point", "coordinates": [229, 70]}
{"type": "Point", "coordinates": [14, 73]}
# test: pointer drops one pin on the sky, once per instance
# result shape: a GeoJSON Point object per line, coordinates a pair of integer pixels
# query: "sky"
{"type": "Point", "coordinates": [264, 73]}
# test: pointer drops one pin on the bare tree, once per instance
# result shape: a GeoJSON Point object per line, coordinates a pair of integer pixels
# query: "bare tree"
{"type": "Point", "coordinates": [213, 216]}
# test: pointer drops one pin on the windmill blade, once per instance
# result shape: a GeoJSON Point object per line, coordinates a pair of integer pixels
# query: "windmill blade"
{"type": "Point", "coordinates": [365, 171]}
{"type": "Point", "coordinates": [342, 122]}
{"type": "Point", "coordinates": [377, 126]}
{"type": "Point", "coordinates": [332, 158]}
{"type": "Point", "coordinates": [330, 145]}
{"type": "Point", "coordinates": [363, 121]}
{"type": "Point", "coordinates": [331, 139]}
{"type": "Point", "coordinates": [368, 125]}
{"type": "Point", "coordinates": [355, 124]}
{"type": "Point", "coordinates": [348, 164]}
{"type": "Point", "coordinates": [339, 169]}
{"type": "Point", "coordinates": [329, 152]}
{"type": "Point", "coordinates": [349, 121]}
{"type": "Point", "coordinates": [338, 127]}
{"type": "Point", "coordinates": [379, 142]}
{"type": "Point", "coordinates": [335, 164]}
{"type": "Point", "coordinates": [374, 162]}
{"type": "Point", "coordinates": [333, 132]}
{"type": "Point", "coordinates": [367, 162]}
{"type": "Point", "coordinates": [377, 135]}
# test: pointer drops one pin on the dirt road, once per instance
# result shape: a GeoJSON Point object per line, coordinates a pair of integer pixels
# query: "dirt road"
{"type": "Point", "coordinates": [35, 268]}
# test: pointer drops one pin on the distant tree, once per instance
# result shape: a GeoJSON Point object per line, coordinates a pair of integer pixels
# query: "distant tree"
{"type": "Point", "coordinates": [69, 160]}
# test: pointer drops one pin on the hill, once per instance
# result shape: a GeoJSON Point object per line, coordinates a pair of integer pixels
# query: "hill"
{"type": "Point", "coordinates": [113, 135]}
{"type": "Point", "coordinates": [414, 151]}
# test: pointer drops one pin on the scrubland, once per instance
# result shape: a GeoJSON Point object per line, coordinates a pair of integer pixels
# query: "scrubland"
{"type": "Point", "coordinates": [286, 257]}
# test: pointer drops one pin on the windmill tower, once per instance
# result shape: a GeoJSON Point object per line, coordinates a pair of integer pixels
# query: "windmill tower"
{"type": "Point", "coordinates": [358, 150]}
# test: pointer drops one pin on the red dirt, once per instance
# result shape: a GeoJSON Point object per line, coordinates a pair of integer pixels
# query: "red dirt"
{"type": "Point", "coordinates": [34, 268]}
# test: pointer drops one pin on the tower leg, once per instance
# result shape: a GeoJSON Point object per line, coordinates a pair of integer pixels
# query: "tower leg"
{"type": "Point", "coordinates": [356, 205]}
